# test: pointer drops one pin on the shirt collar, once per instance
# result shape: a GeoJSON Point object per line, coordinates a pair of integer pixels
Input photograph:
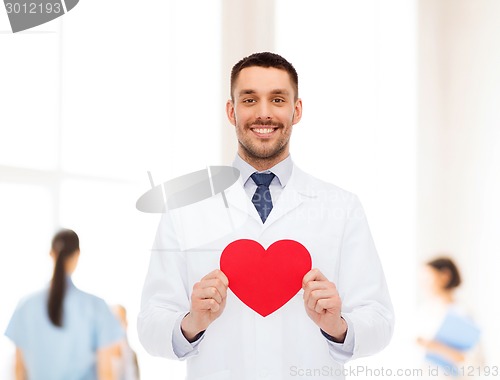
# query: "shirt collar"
{"type": "Point", "coordinates": [282, 170]}
{"type": "Point", "coordinates": [69, 282]}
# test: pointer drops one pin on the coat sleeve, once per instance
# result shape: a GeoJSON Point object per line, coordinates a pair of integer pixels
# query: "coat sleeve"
{"type": "Point", "coordinates": [362, 287]}
{"type": "Point", "coordinates": [165, 296]}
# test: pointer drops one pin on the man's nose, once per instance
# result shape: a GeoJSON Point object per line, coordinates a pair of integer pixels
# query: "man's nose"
{"type": "Point", "coordinates": [263, 111]}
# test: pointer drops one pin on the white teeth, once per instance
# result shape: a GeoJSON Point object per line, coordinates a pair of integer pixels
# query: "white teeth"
{"type": "Point", "coordinates": [263, 130]}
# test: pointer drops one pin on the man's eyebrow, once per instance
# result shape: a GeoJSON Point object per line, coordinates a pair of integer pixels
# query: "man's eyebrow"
{"type": "Point", "coordinates": [278, 91]}
{"type": "Point", "coordinates": [246, 92]}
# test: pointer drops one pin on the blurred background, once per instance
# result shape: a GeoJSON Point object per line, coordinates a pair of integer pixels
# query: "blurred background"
{"type": "Point", "coordinates": [401, 106]}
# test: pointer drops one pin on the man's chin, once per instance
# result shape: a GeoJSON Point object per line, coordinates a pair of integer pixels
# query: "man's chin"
{"type": "Point", "coordinates": [263, 151]}
{"type": "Point", "coordinates": [264, 154]}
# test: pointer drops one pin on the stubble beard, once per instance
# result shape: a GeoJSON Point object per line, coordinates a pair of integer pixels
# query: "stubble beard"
{"type": "Point", "coordinates": [263, 151]}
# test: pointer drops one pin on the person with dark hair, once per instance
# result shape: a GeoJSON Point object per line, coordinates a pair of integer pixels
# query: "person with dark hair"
{"type": "Point", "coordinates": [62, 333]}
{"type": "Point", "coordinates": [447, 275]}
{"type": "Point", "coordinates": [342, 308]}
{"type": "Point", "coordinates": [445, 314]}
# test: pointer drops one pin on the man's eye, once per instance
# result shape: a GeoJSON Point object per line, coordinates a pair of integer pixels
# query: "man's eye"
{"type": "Point", "coordinates": [249, 101]}
{"type": "Point", "coordinates": [278, 100]}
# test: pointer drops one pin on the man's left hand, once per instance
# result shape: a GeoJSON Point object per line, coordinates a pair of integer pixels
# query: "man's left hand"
{"type": "Point", "coordinates": [323, 304]}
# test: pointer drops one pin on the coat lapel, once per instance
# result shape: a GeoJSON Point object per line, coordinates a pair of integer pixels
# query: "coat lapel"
{"type": "Point", "coordinates": [237, 198]}
{"type": "Point", "coordinates": [294, 194]}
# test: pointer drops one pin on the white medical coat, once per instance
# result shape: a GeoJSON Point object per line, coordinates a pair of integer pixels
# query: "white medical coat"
{"type": "Point", "coordinates": [241, 344]}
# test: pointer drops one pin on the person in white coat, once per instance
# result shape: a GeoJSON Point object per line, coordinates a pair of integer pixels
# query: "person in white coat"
{"type": "Point", "coordinates": [343, 310]}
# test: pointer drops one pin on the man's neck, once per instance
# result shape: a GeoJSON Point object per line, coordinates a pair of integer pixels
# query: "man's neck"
{"type": "Point", "coordinates": [262, 164]}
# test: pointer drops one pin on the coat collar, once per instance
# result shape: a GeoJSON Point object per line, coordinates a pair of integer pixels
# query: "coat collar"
{"type": "Point", "coordinates": [282, 170]}
{"type": "Point", "coordinates": [299, 188]}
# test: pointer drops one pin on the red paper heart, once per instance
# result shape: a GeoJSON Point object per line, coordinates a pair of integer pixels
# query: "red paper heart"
{"type": "Point", "coordinates": [265, 280]}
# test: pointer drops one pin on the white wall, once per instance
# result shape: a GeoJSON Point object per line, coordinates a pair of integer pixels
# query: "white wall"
{"type": "Point", "coordinates": [459, 148]}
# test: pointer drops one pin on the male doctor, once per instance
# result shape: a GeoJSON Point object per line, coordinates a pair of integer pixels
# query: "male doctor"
{"type": "Point", "coordinates": [343, 310]}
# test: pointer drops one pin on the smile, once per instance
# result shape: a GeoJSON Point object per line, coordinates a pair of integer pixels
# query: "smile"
{"type": "Point", "coordinates": [263, 130]}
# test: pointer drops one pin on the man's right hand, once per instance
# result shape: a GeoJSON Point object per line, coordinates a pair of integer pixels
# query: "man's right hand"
{"type": "Point", "coordinates": [208, 300]}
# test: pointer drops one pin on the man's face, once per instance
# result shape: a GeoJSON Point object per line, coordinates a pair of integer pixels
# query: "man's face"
{"type": "Point", "coordinates": [263, 110]}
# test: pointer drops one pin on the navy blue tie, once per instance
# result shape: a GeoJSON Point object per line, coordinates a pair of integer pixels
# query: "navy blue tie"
{"type": "Point", "coordinates": [262, 197]}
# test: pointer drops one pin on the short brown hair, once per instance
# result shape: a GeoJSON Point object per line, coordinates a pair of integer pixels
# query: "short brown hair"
{"type": "Point", "coordinates": [445, 264]}
{"type": "Point", "coordinates": [266, 59]}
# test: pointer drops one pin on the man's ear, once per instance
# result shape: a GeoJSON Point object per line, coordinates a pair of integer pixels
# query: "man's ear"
{"type": "Point", "coordinates": [297, 112]}
{"type": "Point", "coordinates": [230, 112]}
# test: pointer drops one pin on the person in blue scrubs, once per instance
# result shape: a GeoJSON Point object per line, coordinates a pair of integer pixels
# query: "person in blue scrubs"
{"type": "Point", "coordinates": [61, 332]}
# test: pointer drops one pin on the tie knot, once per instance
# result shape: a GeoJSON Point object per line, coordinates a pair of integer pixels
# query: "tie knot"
{"type": "Point", "coordinates": [263, 178]}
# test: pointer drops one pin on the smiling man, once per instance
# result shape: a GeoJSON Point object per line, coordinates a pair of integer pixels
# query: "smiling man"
{"type": "Point", "coordinates": [264, 106]}
{"type": "Point", "coordinates": [343, 310]}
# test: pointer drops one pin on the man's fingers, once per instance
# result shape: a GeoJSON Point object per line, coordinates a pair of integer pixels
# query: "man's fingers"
{"type": "Point", "coordinates": [325, 304]}
{"type": "Point", "coordinates": [315, 296]}
{"type": "Point", "coordinates": [215, 283]}
{"type": "Point", "coordinates": [319, 293]}
{"type": "Point", "coordinates": [322, 294]}
{"type": "Point", "coordinates": [207, 304]}
{"type": "Point", "coordinates": [202, 291]}
{"type": "Point", "coordinates": [314, 286]}
{"type": "Point", "coordinates": [217, 274]}
{"type": "Point", "coordinates": [212, 286]}
{"type": "Point", "coordinates": [210, 293]}
{"type": "Point", "coordinates": [322, 305]}
{"type": "Point", "coordinates": [313, 275]}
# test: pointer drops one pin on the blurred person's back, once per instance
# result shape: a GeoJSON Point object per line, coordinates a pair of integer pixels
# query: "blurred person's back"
{"type": "Point", "coordinates": [61, 332]}
{"type": "Point", "coordinates": [125, 359]}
